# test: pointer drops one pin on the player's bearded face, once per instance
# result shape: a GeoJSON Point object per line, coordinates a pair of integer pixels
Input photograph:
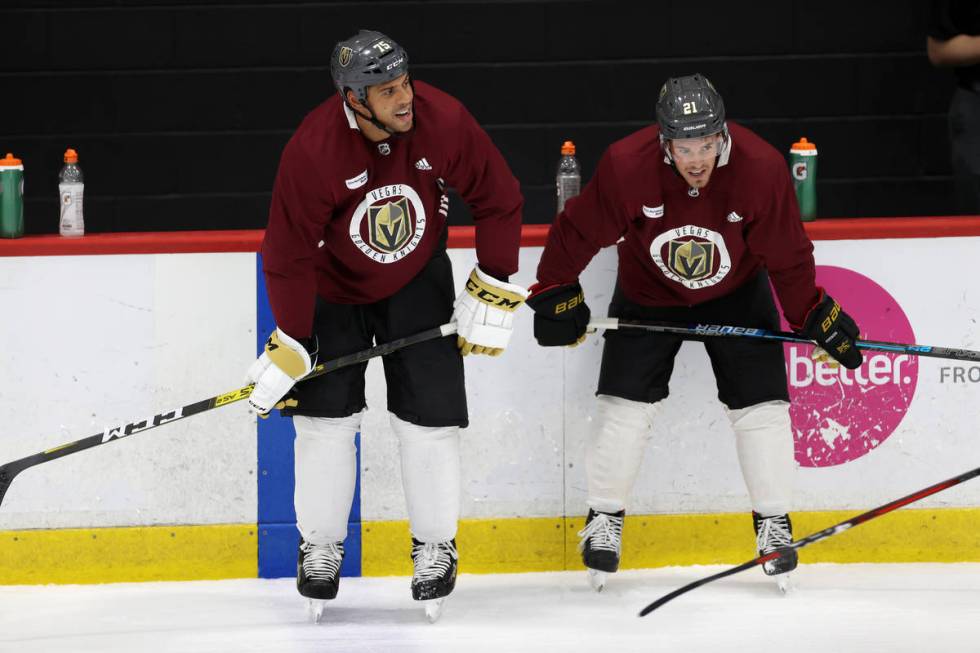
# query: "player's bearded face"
{"type": "Point", "coordinates": [695, 158]}
{"type": "Point", "coordinates": [392, 103]}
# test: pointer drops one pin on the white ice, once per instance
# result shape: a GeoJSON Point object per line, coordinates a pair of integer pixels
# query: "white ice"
{"type": "Point", "coordinates": [914, 608]}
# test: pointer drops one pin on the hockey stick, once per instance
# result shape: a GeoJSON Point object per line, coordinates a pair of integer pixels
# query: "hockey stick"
{"type": "Point", "coordinates": [784, 336]}
{"type": "Point", "coordinates": [816, 537]}
{"type": "Point", "coordinates": [111, 433]}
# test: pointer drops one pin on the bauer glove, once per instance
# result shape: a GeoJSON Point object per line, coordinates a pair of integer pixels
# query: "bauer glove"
{"type": "Point", "coordinates": [834, 330]}
{"type": "Point", "coordinates": [561, 315]}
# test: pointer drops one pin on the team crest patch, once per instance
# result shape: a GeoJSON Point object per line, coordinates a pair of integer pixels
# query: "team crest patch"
{"type": "Point", "coordinates": [691, 259]}
{"type": "Point", "coordinates": [346, 54]}
{"type": "Point", "coordinates": [692, 256]}
{"type": "Point", "coordinates": [389, 224]}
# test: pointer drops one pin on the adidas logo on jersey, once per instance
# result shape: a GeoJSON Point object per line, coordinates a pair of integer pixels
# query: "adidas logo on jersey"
{"type": "Point", "coordinates": [422, 164]}
{"type": "Point", "coordinates": [734, 217]}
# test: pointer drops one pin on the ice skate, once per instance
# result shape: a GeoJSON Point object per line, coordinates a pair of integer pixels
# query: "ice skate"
{"type": "Point", "coordinates": [318, 574]}
{"type": "Point", "coordinates": [435, 574]}
{"type": "Point", "coordinates": [771, 534]}
{"type": "Point", "coordinates": [601, 545]}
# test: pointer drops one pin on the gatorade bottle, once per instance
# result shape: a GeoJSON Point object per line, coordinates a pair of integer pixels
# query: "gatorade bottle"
{"type": "Point", "coordinates": [803, 165]}
{"type": "Point", "coordinates": [72, 190]}
{"type": "Point", "coordinates": [569, 178]}
{"type": "Point", "coordinates": [11, 197]}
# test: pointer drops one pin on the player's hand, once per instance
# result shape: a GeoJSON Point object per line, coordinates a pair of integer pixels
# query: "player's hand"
{"type": "Point", "coordinates": [561, 315]}
{"type": "Point", "coordinates": [484, 314]}
{"type": "Point", "coordinates": [284, 361]}
{"type": "Point", "coordinates": [834, 330]}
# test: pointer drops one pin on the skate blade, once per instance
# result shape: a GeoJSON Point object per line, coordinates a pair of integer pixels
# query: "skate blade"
{"type": "Point", "coordinates": [433, 609]}
{"type": "Point", "coordinates": [597, 579]}
{"type": "Point", "coordinates": [784, 583]}
{"type": "Point", "coordinates": [316, 609]}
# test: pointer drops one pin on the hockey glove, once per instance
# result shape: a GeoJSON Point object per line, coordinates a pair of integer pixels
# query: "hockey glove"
{"type": "Point", "coordinates": [561, 315]}
{"type": "Point", "coordinates": [281, 365]}
{"type": "Point", "coordinates": [834, 330]}
{"type": "Point", "coordinates": [484, 314]}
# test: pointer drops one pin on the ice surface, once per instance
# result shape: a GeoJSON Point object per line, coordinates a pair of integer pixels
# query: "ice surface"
{"type": "Point", "coordinates": [895, 608]}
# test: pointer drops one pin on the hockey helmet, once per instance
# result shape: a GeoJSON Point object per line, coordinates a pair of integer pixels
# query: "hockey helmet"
{"type": "Point", "coordinates": [366, 59]}
{"type": "Point", "coordinates": [690, 107]}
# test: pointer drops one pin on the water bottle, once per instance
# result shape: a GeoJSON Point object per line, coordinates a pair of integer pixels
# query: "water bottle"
{"type": "Point", "coordinates": [11, 197]}
{"type": "Point", "coordinates": [569, 178]}
{"type": "Point", "coordinates": [803, 165]}
{"type": "Point", "coordinates": [72, 189]}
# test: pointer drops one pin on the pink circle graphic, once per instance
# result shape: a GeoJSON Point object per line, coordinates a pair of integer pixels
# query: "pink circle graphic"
{"type": "Point", "coordinates": [839, 415]}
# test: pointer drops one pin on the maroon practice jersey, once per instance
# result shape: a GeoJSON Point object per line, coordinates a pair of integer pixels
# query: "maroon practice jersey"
{"type": "Point", "coordinates": [678, 248]}
{"type": "Point", "coordinates": [354, 221]}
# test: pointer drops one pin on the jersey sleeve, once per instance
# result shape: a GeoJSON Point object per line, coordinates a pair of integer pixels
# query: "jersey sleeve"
{"type": "Point", "coordinates": [479, 173]}
{"type": "Point", "coordinates": [779, 240]}
{"type": "Point", "coordinates": [596, 218]}
{"type": "Point", "coordinates": [300, 207]}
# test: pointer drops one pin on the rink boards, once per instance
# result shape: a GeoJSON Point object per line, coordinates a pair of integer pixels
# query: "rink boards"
{"type": "Point", "coordinates": [96, 339]}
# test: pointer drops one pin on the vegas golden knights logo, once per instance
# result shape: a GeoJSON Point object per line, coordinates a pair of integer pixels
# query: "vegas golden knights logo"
{"type": "Point", "coordinates": [345, 56]}
{"type": "Point", "coordinates": [690, 259]}
{"type": "Point", "coordinates": [390, 225]}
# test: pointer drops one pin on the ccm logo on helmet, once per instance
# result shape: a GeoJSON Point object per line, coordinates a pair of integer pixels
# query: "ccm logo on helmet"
{"type": "Point", "coordinates": [394, 64]}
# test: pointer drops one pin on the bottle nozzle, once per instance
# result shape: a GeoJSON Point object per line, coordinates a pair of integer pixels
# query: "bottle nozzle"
{"type": "Point", "coordinates": [568, 148]}
{"type": "Point", "coordinates": [71, 156]}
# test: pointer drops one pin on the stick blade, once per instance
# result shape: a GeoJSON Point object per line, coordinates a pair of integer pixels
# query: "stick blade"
{"type": "Point", "coordinates": [7, 474]}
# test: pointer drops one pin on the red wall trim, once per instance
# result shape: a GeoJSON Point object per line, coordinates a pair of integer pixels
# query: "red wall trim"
{"type": "Point", "coordinates": [184, 242]}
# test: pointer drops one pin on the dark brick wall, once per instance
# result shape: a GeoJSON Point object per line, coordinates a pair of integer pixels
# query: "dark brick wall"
{"type": "Point", "coordinates": [179, 109]}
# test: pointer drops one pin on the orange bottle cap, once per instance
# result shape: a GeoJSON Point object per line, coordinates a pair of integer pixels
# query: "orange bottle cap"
{"type": "Point", "coordinates": [71, 156]}
{"type": "Point", "coordinates": [804, 144]}
{"type": "Point", "coordinates": [567, 148]}
{"type": "Point", "coordinates": [9, 160]}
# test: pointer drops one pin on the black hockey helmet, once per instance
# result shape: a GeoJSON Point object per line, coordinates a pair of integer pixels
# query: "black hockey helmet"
{"type": "Point", "coordinates": [366, 59]}
{"type": "Point", "coordinates": [690, 107]}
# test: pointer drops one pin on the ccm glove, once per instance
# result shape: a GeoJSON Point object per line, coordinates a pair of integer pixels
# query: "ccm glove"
{"type": "Point", "coordinates": [561, 315]}
{"type": "Point", "coordinates": [834, 330]}
{"type": "Point", "coordinates": [284, 362]}
{"type": "Point", "coordinates": [484, 314]}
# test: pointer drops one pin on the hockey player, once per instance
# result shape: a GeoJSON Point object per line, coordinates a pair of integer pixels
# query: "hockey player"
{"type": "Point", "coordinates": [705, 216]}
{"type": "Point", "coordinates": [355, 252]}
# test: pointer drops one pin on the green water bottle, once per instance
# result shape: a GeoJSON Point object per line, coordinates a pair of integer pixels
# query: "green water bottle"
{"type": "Point", "coordinates": [803, 165]}
{"type": "Point", "coordinates": [11, 197]}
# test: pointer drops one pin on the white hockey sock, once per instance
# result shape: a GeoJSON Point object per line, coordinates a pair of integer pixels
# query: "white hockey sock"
{"type": "Point", "coordinates": [326, 471]}
{"type": "Point", "coordinates": [615, 450]}
{"type": "Point", "coordinates": [764, 440]}
{"type": "Point", "coordinates": [431, 478]}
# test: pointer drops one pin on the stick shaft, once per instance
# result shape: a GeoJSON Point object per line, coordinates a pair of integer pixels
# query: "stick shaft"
{"type": "Point", "coordinates": [725, 331]}
{"type": "Point", "coordinates": [819, 535]}
{"type": "Point", "coordinates": [111, 433]}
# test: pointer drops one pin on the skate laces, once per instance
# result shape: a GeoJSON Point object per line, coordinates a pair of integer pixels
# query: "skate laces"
{"type": "Point", "coordinates": [773, 533]}
{"type": "Point", "coordinates": [604, 531]}
{"type": "Point", "coordinates": [433, 559]}
{"type": "Point", "coordinates": [322, 561]}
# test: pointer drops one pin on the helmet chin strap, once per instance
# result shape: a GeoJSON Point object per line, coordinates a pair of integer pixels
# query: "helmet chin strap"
{"type": "Point", "coordinates": [373, 119]}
